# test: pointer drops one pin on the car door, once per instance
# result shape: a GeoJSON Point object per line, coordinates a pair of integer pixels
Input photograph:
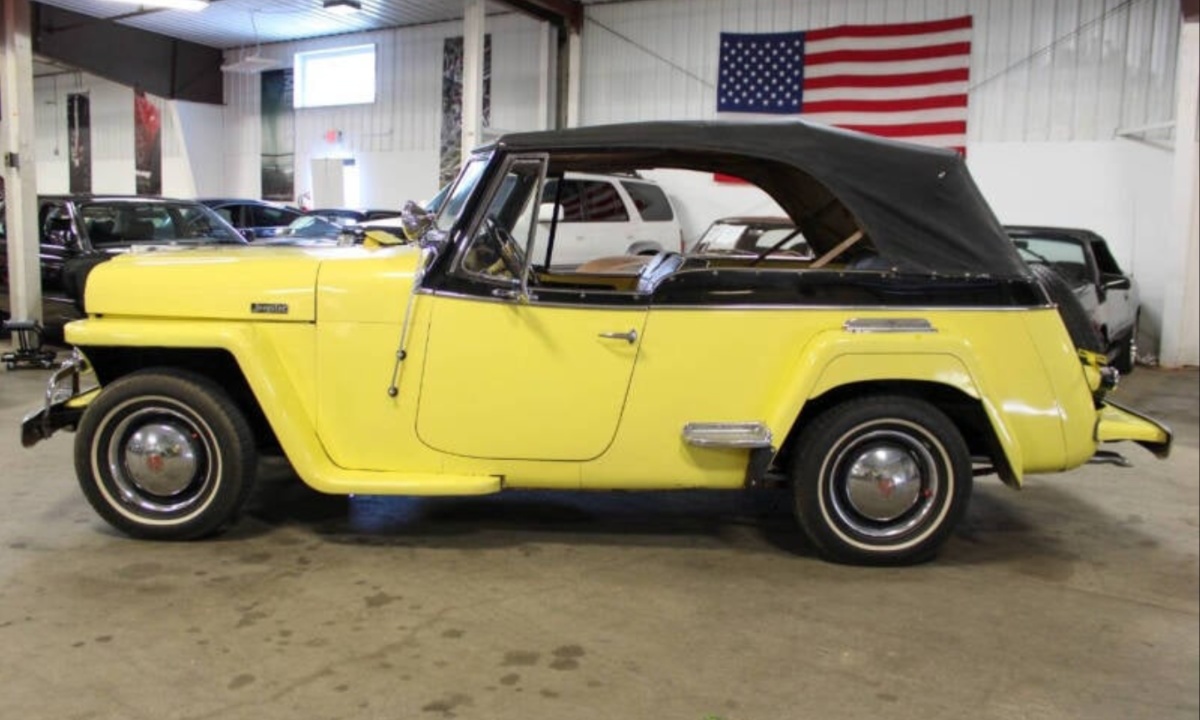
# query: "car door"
{"type": "Point", "coordinates": [59, 242]}
{"type": "Point", "coordinates": [1120, 306]}
{"type": "Point", "coordinates": [516, 374]}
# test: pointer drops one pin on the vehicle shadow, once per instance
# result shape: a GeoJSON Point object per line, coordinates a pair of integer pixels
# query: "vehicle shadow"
{"type": "Point", "coordinates": [1044, 528]}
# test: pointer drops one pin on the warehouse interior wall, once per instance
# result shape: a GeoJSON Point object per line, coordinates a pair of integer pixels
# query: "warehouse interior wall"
{"type": "Point", "coordinates": [112, 137]}
{"type": "Point", "coordinates": [1068, 108]}
{"type": "Point", "coordinates": [395, 141]}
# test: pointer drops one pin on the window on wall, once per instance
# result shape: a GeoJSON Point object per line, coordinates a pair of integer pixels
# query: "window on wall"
{"type": "Point", "coordinates": [341, 76]}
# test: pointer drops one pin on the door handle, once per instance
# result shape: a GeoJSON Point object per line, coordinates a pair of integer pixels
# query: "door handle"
{"type": "Point", "coordinates": [630, 337]}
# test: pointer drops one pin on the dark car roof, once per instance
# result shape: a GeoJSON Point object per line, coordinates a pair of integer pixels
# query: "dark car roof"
{"type": "Point", "coordinates": [243, 201]}
{"type": "Point", "coordinates": [85, 197]}
{"type": "Point", "coordinates": [1077, 234]}
{"type": "Point", "coordinates": [919, 206]}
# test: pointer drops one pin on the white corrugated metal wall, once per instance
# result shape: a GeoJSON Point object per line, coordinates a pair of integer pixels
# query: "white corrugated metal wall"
{"type": "Point", "coordinates": [1045, 70]}
{"type": "Point", "coordinates": [1052, 84]}
{"type": "Point", "coordinates": [395, 141]}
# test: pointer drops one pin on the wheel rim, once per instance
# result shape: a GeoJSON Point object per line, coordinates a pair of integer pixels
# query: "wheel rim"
{"type": "Point", "coordinates": [884, 483]}
{"type": "Point", "coordinates": [159, 461]}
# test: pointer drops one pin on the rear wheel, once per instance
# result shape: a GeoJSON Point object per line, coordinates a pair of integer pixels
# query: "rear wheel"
{"type": "Point", "coordinates": [165, 454]}
{"type": "Point", "coordinates": [881, 480]}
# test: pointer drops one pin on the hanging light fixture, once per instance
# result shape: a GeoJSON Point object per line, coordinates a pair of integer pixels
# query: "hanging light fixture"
{"type": "Point", "coordinates": [343, 7]}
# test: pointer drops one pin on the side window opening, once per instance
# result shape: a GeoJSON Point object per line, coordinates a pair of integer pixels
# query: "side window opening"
{"type": "Point", "coordinates": [496, 250]}
{"type": "Point", "coordinates": [601, 202]}
{"type": "Point", "coordinates": [650, 201]}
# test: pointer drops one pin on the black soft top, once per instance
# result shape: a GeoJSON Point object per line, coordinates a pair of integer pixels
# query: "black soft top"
{"type": "Point", "coordinates": [919, 206]}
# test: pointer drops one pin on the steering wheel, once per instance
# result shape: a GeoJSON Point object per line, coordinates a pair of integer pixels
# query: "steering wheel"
{"type": "Point", "coordinates": [511, 257]}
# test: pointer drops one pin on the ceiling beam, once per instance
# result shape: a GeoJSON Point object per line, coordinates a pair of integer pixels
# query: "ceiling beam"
{"type": "Point", "coordinates": [563, 13]}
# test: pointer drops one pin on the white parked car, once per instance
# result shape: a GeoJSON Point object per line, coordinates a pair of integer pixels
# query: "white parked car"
{"type": "Point", "coordinates": [602, 216]}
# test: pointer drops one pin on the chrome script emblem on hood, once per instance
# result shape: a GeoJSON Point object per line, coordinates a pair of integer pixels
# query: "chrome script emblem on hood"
{"type": "Point", "coordinates": [269, 308]}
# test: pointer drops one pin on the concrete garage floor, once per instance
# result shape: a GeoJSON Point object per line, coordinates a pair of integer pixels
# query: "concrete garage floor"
{"type": "Point", "coordinates": [1077, 597]}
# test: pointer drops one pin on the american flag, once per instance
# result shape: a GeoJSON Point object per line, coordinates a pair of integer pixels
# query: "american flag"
{"type": "Point", "coordinates": [906, 81]}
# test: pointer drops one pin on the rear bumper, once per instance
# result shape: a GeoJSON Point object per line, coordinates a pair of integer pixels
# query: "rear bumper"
{"type": "Point", "coordinates": [64, 403]}
{"type": "Point", "coordinates": [1115, 423]}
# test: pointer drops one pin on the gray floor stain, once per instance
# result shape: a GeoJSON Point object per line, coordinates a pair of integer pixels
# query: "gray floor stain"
{"type": "Point", "coordinates": [447, 706]}
{"type": "Point", "coordinates": [452, 634]}
{"type": "Point", "coordinates": [520, 657]}
{"type": "Point", "coordinates": [510, 679]}
{"type": "Point", "coordinates": [567, 657]}
{"type": "Point", "coordinates": [380, 599]}
{"type": "Point", "coordinates": [254, 558]}
{"type": "Point", "coordinates": [251, 617]}
{"type": "Point", "coordinates": [241, 681]}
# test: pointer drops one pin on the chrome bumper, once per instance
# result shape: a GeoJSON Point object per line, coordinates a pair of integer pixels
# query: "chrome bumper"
{"type": "Point", "coordinates": [64, 402]}
{"type": "Point", "coordinates": [1116, 422]}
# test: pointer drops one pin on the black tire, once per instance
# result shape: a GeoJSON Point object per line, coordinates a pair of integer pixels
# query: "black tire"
{"type": "Point", "coordinates": [1126, 358]}
{"type": "Point", "coordinates": [880, 480]}
{"type": "Point", "coordinates": [196, 486]}
{"type": "Point", "coordinates": [1080, 327]}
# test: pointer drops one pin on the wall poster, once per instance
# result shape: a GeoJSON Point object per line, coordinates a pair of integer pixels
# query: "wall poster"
{"type": "Point", "coordinates": [452, 75]}
{"type": "Point", "coordinates": [278, 136]}
{"type": "Point", "coordinates": [79, 138]}
{"type": "Point", "coordinates": [147, 123]}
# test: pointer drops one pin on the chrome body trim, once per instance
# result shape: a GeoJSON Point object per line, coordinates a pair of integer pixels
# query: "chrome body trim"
{"type": "Point", "coordinates": [727, 434]}
{"type": "Point", "coordinates": [535, 301]}
{"type": "Point", "coordinates": [888, 325]}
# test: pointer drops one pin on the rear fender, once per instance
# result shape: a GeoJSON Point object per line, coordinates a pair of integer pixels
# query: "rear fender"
{"type": "Point", "coordinates": [836, 359]}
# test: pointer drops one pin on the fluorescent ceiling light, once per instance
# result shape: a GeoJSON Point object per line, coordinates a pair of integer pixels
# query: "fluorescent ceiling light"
{"type": "Point", "coordinates": [343, 7]}
{"type": "Point", "coordinates": [192, 5]}
{"type": "Point", "coordinates": [250, 65]}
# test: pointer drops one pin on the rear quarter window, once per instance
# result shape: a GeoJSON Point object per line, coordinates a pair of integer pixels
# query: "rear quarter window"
{"type": "Point", "coordinates": [650, 201]}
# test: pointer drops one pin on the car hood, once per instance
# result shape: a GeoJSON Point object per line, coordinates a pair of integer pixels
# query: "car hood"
{"type": "Point", "coordinates": [247, 283]}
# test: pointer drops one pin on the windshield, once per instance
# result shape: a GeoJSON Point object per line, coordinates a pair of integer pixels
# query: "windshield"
{"type": "Point", "coordinates": [125, 223]}
{"type": "Point", "coordinates": [452, 207]}
{"type": "Point", "coordinates": [748, 238]}
{"type": "Point", "coordinates": [313, 226]}
{"type": "Point", "coordinates": [1065, 256]}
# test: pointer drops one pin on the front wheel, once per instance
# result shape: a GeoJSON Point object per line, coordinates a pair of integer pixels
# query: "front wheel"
{"type": "Point", "coordinates": [881, 480]}
{"type": "Point", "coordinates": [165, 454]}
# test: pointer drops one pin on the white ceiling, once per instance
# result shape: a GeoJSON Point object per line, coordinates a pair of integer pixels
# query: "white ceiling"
{"type": "Point", "coordinates": [228, 24]}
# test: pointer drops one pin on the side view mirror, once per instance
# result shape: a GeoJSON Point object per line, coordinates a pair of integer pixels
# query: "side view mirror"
{"type": "Point", "coordinates": [546, 213]}
{"type": "Point", "coordinates": [1117, 282]}
{"type": "Point", "coordinates": [415, 220]}
{"type": "Point", "coordinates": [62, 238]}
{"type": "Point", "coordinates": [248, 233]}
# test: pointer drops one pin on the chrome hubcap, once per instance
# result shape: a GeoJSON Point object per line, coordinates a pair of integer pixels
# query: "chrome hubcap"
{"type": "Point", "coordinates": [883, 483]}
{"type": "Point", "coordinates": [160, 461]}
{"type": "Point", "coordinates": [160, 458]}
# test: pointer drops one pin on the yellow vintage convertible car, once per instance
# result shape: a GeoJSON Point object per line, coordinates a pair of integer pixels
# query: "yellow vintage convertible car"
{"type": "Point", "coordinates": [913, 352]}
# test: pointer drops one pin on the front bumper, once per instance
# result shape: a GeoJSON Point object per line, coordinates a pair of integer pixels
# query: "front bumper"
{"type": "Point", "coordinates": [64, 402]}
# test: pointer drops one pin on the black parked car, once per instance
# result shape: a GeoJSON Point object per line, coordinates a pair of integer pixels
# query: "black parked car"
{"type": "Point", "coordinates": [78, 232]}
{"type": "Point", "coordinates": [255, 219]}
{"type": "Point", "coordinates": [1083, 260]}
{"type": "Point", "coordinates": [347, 216]}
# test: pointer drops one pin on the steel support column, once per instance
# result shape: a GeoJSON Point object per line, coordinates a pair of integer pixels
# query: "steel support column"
{"type": "Point", "coordinates": [17, 143]}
